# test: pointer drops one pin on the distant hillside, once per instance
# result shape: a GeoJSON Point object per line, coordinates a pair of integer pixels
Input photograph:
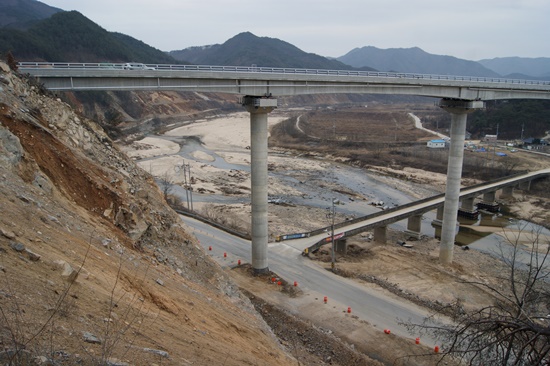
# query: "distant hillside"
{"type": "Point", "coordinates": [537, 67]}
{"type": "Point", "coordinates": [70, 36]}
{"type": "Point", "coordinates": [246, 49]}
{"type": "Point", "coordinates": [21, 13]}
{"type": "Point", "coordinates": [413, 60]}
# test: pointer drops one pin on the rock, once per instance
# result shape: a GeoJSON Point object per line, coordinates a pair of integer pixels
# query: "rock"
{"type": "Point", "coordinates": [18, 247]}
{"type": "Point", "coordinates": [68, 272]}
{"type": "Point", "coordinates": [44, 361]}
{"type": "Point", "coordinates": [32, 256]}
{"type": "Point", "coordinates": [90, 338]}
{"type": "Point", "coordinates": [8, 234]}
{"type": "Point", "coordinates": [24, 357]}
{"type": "Point", "coordinates": [114, 362]}
{"type": "Point", "coordinates": [157, 352]}
{"type": "Point", "coordinates": [160, 282]}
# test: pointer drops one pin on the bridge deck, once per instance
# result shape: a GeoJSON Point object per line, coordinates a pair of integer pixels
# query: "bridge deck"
{"type": "Point", "coordinates": [383, 218]}
{"type": "Point", "coordinates": [270, 81]}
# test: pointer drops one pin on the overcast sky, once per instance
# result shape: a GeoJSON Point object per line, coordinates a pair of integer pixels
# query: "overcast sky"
{"type": "Point", "coordinates": [468, 29]}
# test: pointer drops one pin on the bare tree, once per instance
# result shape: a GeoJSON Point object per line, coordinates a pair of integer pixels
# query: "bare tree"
{"type": "Point", "coordinates": [515, 329]}
{"type": "Point", "coordinates": [166, 182]}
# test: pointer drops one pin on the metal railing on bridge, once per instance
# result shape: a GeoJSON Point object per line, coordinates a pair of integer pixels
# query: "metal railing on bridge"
{"type": "Point", "coordinates": [274, 70]}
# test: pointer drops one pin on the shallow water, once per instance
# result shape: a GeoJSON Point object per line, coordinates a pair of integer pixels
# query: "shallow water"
{"type": "Point", "coordinates": [357, 180]}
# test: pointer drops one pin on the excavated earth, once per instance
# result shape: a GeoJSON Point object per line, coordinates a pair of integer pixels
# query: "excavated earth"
{"type": "Point", "coordinates": [95, 268]}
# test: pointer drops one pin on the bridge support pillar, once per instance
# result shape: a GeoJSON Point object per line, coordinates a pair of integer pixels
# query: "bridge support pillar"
{"type": "Point", "coordinates": [381, 234]}
{"type": "Point", "coordinates": [489, 203]}
{"type": "Point", "coordinates": [414, 226]}
{"type": "Point", "coordinates": [507, 192]}
{"type": "Point", "coordinates": [525, 186]}
{"type": "Point", "coordinates": [489, 197]}
{"type": "Point", "coordinates": [467, 204]}
{"type": "Point", "coordinates": [459, 110]}
{"type": "Point", "coordinates": [341, 246]}
{"type": "Point", "coordinates": [259, 109]}
{"type": "Point", "coordinates": [438, 218]}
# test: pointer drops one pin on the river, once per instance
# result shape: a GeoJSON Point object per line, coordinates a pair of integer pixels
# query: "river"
{"type": "Point", "coordinates": [311, 186]}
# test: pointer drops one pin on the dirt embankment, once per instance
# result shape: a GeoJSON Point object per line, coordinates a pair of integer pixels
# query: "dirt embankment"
{"type": "Point", "coordinates": [94, 266]}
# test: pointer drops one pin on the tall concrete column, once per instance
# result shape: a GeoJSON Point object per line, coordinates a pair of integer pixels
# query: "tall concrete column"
{"type": "Point", "coordinates": [259, 109]}
{"type": "Point", "coordinates": [459, 110]}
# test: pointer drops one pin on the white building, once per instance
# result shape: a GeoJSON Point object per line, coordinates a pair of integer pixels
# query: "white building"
{"type": "Point", "coordinates": [437, 144]}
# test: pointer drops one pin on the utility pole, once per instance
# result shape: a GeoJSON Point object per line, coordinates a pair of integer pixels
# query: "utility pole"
{"type": "Point", "coordinates": [186, 168]}
{"type": "Point", "coordinates": [185, 183]}
{"type": "Point", "coordinates": [331, 216]}
{"type": "Point", "coordinates": [190, 186]}
{"type": "Point", "coordinates": [495, 146]}
{"type": "Point", "coordinates": [522, 128]}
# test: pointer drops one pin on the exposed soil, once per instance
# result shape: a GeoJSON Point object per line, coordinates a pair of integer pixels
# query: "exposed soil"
{"type": "Point", "coordinates": [413, 274]}
{"type": "Point", "coordinates": [96, 268]}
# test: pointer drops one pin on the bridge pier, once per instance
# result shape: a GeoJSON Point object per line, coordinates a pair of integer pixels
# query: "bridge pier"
{"type": "Point", "coordinates": [507, 192]}
{"type": "Point", "coordinates": [341, 246]}
{"type": "Point", "coordinates": [467, 204]}
{"type": "Point", "coordinates": [381, 234]}
{"type": "Point", "coordinates": [438, 217]}
{"type": "Point", "coordinates": [489, 202]}
{"type": "Point", "coordinates": [459, 110]}
{"type": "Point", "coordinates": [414, 226]}
{"type": "Point", "coordinates": [259, 108]}
{"type": "Point", "coordinates": [525, 186]}
{"type": "Point", "coordinates": [468, 209]}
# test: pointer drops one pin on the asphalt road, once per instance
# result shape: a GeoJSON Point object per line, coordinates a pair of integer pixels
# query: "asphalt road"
{"type": "Point", "coordinates": [374, 305]}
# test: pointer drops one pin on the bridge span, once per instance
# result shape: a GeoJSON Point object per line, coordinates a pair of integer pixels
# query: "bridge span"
{"type": "Point", "coordinates": [259, 87]}
{"type": "Point", "coordinates": [275, 81]}
{"type": "Point", "coordinates": [412, 211]}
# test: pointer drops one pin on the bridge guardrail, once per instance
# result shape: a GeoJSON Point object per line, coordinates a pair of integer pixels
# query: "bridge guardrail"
{"type": "Point", "coordinates": [279, 70]}
{"type": "Point", "coordinates": [355, 231]}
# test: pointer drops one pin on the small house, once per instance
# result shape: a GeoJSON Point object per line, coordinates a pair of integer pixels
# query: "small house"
{"type": "Point", "coordinates": [490, 138]}
{"type": "Point", "coordinates": [437, 144]}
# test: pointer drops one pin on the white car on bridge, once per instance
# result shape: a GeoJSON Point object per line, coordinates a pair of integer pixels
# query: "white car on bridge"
{"type": "Point", "coordinates": [136, 66]}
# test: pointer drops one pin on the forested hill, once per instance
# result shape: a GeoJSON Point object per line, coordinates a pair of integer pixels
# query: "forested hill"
{"type": "Point", "coordinates": [510, 117]}
{"type": "Point", "coordinates": [22, 13]}
{"type": "Point", "coordinates": [246, 49]}
{"type": "Point", "coordinates": [70, 36]}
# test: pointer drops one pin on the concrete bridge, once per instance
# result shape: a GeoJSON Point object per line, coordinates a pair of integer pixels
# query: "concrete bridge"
{"type": "Point", "coordinates": [412, 211]}
{"type": "Point", "coordinates": [259, 87]}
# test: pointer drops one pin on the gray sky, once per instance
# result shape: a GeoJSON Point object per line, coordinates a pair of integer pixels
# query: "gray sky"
{"type": "Point", "coordinates": [468, 29]}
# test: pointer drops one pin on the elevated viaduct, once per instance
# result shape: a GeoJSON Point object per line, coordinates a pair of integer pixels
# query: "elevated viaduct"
{"type": "Point", "coordinates": [259, 87]}
{"type": "Point", "coordinates": [412, 211]}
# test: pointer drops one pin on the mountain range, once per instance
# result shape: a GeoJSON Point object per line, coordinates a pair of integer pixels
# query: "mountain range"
{"type": "Point", "coordinates": [246, 49]}
{"type": "Point", "coordinates": [35, 31]}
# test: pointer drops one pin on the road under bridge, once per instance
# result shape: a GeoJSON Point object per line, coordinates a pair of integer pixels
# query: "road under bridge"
{"type": "Point", "coordinates": [259, 87]}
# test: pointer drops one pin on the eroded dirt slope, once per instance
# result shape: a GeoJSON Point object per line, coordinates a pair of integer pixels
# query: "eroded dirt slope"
{"type": "Point", "coordinates": [93, 264]}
